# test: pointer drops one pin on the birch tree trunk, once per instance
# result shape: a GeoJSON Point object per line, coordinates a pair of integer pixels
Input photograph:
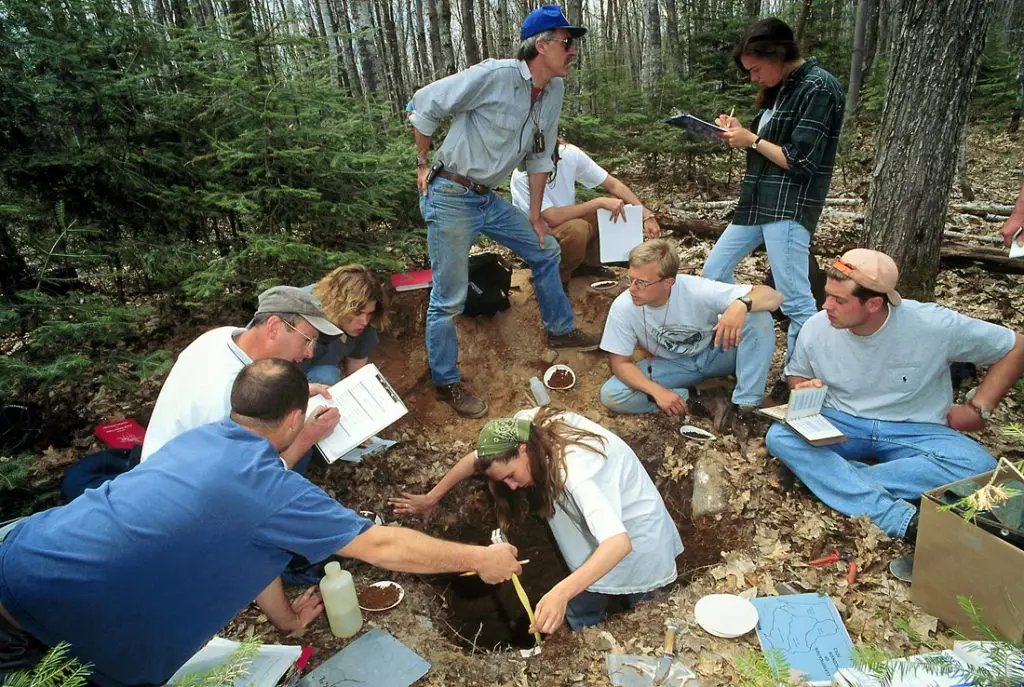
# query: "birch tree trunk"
{"type": "Point", "coordinates": [651, 56]}
{"type": "Point", "coordinates": [344, 27]}
{"type": "Point", "coordinates": [672, 38]}
{"type": "Point", "coordinates": [504, 42]}
{"type": "Point", "coordinates": [332, 41]}
{"type": "Point", "coordinates": [469, 39]}
{"type": "Point", "coordinates": [436, 60]}
{"type": "Point", "coordinates": [444, 20]}
{"type": "Point", "coordinates": [396, 59]}
{"type": "Point", "coordinates": [932, 71]}
{"type": "Point", "coordinates": [857, 62]}
{"type": "Point", "coordinates": [419, 24]}
{"type": "Point", "coordinates": [366, 52]}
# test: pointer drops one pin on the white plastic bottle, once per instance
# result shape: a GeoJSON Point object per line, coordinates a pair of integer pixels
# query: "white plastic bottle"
{"type": "Point", "coordinates": [340, 602]}
{"type": "Point", "coordinates": [540, 394]}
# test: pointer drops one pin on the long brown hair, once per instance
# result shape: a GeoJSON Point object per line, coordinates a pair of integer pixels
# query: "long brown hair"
{"type": "Point", "coordinates": [550, 437]}
{"type": "Point", "coordinates": [768, 39]}
{"type": "Point", "coordinates": [348, 289]}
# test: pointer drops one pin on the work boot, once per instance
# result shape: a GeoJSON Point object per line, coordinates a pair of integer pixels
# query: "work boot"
{"type": "Point", "coordinates": [462, 400]}
{"type": "Point", "coordinates": [747, 423]}
{"type": "Point", "coordinates": [593, 271]}
{"type": "Point", "coordinates": [574, 341]}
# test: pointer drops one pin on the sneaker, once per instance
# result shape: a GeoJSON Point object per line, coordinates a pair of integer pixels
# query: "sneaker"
{"type": "Point", "coordinates": [574, 341]}
{"type": "Point", "coordinates": [910, 534]}
{"type": "Point", "coordinates": [462, 400]}
{"type": "Point", "coordinates": [594, 271]}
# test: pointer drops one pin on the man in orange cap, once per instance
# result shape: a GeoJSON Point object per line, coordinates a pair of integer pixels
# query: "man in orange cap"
{"type": "Point", "coordinates": [886, 362]}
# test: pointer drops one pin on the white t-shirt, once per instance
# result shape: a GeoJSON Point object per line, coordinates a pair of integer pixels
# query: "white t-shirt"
{"type": "Point", "coordinates": [609, 496]}
{"type": "Point", "coordinates": [682, 327]}
{"type": "Point", "coordinates": [574, 167]}
{"type": "Point", "coordinates": [901, 372]}
{"type": "Point", "coordinates": [198, 389]}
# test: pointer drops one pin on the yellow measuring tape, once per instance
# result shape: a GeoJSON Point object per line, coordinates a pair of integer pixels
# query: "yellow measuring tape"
{"type": "Point", "coordinates": [525, 600]}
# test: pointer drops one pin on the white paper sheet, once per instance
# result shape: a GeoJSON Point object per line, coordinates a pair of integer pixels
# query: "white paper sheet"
{"type": "Point", "coordinates": [367, 404]}
{"type": "Point", "coordinates": [621, 236]}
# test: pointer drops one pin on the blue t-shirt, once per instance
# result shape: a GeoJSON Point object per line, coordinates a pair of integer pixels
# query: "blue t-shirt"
{"type": "Point", "coordinates": [138, 574]}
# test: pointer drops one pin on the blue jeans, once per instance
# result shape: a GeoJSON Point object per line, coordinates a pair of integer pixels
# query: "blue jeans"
{"type": "Point", "coordinates": [788, 244]}
{"type": "Point", "coordinates": [913, 457]}
{"type": "Point", "coordinates": [750, 361]}
{"type": "Point", "coordinates": [455, 216]}
{"type": "Point", "coordinates": [590, 608]}
{"type": "Point", "coordinates": [323, 374]}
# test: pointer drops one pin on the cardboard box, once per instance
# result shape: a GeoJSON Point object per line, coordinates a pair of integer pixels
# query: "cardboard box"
{"type": "Point", "coordinates": [955, 557]}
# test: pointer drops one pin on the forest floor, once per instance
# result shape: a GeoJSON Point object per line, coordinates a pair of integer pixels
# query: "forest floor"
{"type": "Point", "coordinates": [764, 536]}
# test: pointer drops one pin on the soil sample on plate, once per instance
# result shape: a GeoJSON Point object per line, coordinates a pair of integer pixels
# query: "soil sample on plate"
{"type": "Point", "coordinates": [561, 379]}
{"type": "Point", "coordinates": [378, 598]}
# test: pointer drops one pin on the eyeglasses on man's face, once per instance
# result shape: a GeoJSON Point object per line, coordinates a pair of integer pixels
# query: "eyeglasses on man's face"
{"type": "Point", "coordinates": [642, 283]}
{"type": "Point", "coordinates": [567, 43]}
{"type": "Point", "coordinates": [310, 341]}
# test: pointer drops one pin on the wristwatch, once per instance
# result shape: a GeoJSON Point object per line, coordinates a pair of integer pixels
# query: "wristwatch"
{"type": "Point", "coordinates": [983, 412]}
{"type": "Point", "coordinates": [745, 300]}
{"type": "Point", "coordinates": [757, 140]}
{"type": "Point", "coordinates": [422, 161]}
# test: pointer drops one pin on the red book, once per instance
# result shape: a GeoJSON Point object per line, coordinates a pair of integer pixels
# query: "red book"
{"type": "Point", "coordinates": [121, 434]}
{"type": "Point", "coordinates": [409, 281]}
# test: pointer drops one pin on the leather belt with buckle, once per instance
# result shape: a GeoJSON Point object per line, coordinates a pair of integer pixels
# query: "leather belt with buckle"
{"type": "Point", "coordinates": [476, 188]}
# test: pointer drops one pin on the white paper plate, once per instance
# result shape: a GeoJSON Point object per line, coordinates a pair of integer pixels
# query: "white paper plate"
{"type": "Point", "coordinates": [696, 433]}
{"type": "Point", "coordinates": [725, 615]}
{"type": "Point", "coordinates": [401, 595]}
{"type": "Point", "coordinates": [552, 370]}
{"type": "Point", "coordinates": [604, 285]}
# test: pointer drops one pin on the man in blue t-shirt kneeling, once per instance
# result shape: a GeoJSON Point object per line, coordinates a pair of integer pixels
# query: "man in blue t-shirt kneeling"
{"type": "Point", "coordinates": [138, 574]}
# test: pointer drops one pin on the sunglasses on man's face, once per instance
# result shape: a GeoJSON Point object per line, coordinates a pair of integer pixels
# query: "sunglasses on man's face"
{"type": "Point", "coordinates": [567, 43]}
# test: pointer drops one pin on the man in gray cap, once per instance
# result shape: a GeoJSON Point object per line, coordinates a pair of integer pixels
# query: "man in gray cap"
{"type": "Point", "coordinates": [504, 113]}
{"type": "Point", "coordinates": [198, 389]}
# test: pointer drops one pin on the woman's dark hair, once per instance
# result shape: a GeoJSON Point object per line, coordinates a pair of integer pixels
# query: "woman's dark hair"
{"type": "Point", "coordinates": [550, 437]}
{"type": "Point", "coordinates": [768, 39]}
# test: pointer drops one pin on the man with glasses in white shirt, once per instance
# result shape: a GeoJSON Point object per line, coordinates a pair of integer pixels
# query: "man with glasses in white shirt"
{"type": "Point", "coordinates": [198, 389]}
{"type": "Point", "coordinates": [687, 329]}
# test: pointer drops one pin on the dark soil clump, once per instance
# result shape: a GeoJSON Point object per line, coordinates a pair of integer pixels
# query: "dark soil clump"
{"type": "Point", "coordinates": [377, 598]}
{"type": "Point", "coordinates": [561, 379]}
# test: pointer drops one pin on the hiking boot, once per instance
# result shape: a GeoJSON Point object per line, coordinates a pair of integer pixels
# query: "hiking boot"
{"type": "Point", "coordinates": [747, 423]}
{"type": "Point", "coordinates": [593, 271]}
{"type": "Point", "coordinates": [713, 405]}
{"type": "Point", "coordinates": [462, 400]}
{"type": "Point", "coordinates": [574, 341]}
{"type": "Point", "coordinates": [786, 477]}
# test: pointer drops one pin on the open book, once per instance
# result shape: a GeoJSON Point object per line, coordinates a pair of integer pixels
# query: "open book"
{"type": "Point", "coordinates": [803, 415]}
{"type": "Point", "coordinates": [367, 404]}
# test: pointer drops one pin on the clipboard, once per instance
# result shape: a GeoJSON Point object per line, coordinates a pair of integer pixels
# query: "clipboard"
{"type": "Point", "coordinates": [695, 126]}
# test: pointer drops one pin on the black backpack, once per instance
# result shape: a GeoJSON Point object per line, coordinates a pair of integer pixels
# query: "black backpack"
{"type": "Point", "coordinates": [490, 281]}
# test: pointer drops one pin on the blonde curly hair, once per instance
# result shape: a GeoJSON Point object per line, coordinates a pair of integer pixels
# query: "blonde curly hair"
{"type": "Point", "coordinates": [350, 288]}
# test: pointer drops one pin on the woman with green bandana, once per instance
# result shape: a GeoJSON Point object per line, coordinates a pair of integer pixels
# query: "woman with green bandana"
{"type": "Point", "coordinates": [607, 517]}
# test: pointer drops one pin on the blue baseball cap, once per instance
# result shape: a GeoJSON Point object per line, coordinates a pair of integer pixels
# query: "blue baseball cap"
{"type": "Point", "coordinates": [548, 18]}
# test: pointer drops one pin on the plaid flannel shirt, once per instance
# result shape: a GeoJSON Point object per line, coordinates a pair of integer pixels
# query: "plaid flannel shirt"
{"type": "Point", "coordinates": [806, 123]}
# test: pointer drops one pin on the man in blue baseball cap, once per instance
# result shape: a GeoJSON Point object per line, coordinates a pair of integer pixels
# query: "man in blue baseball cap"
{"type": "Point", "coordinates": [504, 115]}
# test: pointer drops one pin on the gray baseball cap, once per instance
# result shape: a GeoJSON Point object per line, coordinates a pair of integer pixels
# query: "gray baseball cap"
{"type": "Point", "coordinates": [290, 300]}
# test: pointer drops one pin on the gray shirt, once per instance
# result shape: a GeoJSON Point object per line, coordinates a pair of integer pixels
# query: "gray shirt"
{"type": "Point", "coordinates": [493, 123]}
{"type": "Point", "coordinates": [901, 372]}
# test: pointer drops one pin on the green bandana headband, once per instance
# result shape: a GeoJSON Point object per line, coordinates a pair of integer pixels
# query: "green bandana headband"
{"type": "Point", "coordinates": [502, 436]}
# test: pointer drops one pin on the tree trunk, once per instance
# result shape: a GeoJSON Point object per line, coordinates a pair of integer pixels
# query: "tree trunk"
{"type": "Point", "coordinates": [801, 22]}
{"type": "Point", "coordinates": [870, 40]}
{"type": "Point", "coordinates": [366, 51]}
{"type": "Point", "coordinates": [419, 24]}
{"type": "Point", "coordinates": [444, 20]}
{"type": "Point", "coordinates": [486, 40]}
{"type": "Point", "coordinates": [469, 39]}
{"type": "Point", "coordinates": [394, 47]}
{"type": "Point", "coordinates": [13, 268]}
{"type": "Point", "coordinates": [672, 38]}
{"type": "Point", "coordinates": [436, 60]}
{"type": "Point", "coordinates": [932, 71]}
{"type": "Point", "coordinates": [330, 36]}
{"type": "Point", "coordinates": [857, 62]}
{"type": "Point", "coordinates": [344, 26]}
{"type": "Point", "coordinates": [504, 41]}
{"type": "Point", "coordinates": [1019, 105]}
{"type": "Point", "coordinates": [651, 67]}
{"type": "Point", "coordinates": [963, 180]}
{"type": "Point", "coordinates": [753, 8]}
